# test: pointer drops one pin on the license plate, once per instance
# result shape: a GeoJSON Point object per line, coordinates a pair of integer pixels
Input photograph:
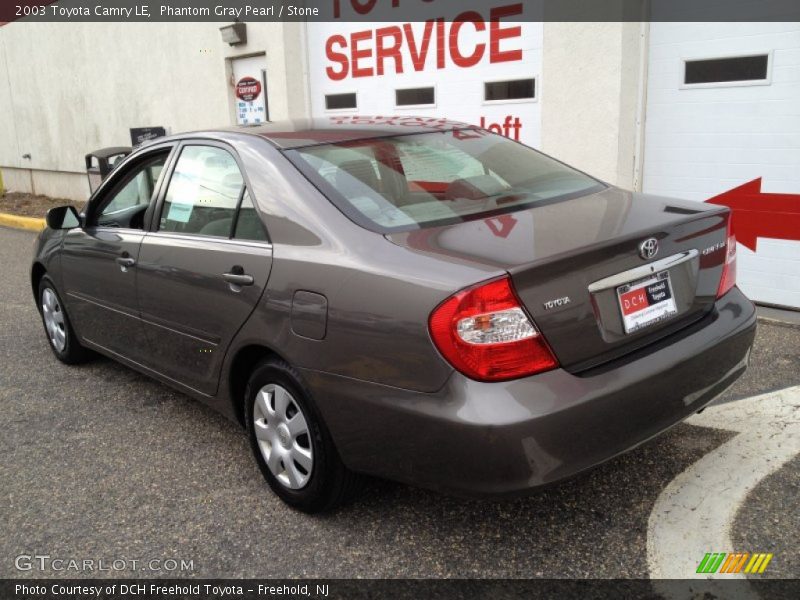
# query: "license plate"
{"type": "Point", "coordinates": [646, 301]}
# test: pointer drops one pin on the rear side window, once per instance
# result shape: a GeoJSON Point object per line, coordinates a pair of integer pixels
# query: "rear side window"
{"type": "Point", "coordinates": [248, 223]}
{"type": "Point", "coordinates": [203, 193]}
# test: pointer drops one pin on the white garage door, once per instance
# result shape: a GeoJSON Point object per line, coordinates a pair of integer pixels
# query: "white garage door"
{"type": "Point", "coordinates": [476, 71]}
{"type": "Point", "coordinates": [723, 109]}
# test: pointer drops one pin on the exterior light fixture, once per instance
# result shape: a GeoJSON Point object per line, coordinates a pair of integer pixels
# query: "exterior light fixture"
{"type": "Point", "coordinates": [234, 34]}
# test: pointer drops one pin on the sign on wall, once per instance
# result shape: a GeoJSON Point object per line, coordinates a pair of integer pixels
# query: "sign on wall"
{"type": "Point", "coordinates": [479, 66]}
{"type": "Point", "coordinates": [140, 135]}
{"type": "Point", "coordinates": [249, 90]}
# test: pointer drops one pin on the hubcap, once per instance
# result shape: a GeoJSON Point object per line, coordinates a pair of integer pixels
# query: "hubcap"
{"type": "Point", "coordinates": [283, 436]}
{"type": "Point", "coordinates": [54, 320]}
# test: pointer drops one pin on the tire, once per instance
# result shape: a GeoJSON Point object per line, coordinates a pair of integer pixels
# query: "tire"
{"type": "Point", "coordinates": [290, 442]}
{"type": "Point", "coordinates": [60, 335]}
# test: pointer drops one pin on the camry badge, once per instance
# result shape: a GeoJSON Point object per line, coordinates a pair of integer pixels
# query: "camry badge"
{"type": "Point", "coordinates": [648, 248]}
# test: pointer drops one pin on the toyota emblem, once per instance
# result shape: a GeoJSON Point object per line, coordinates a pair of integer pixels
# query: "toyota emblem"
{"type": "Point", "coordinates": [648, 248]}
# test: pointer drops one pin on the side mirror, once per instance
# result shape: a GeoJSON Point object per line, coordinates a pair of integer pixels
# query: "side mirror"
{"type": "Point", "coordinates": [62, 217]}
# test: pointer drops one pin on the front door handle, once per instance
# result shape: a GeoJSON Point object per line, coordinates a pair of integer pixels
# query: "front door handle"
{"type": "Point", "coordinates": [238, 278]}
{"type": "Point", "coordinates": [125, 262]}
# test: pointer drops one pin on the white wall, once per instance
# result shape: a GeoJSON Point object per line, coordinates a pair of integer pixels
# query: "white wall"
{"type": "Point", "coordinates": [66, 89]}
{"type": "Point", "coordinates": [69, 88]}
{"type": "Point", "coordinates": [703, 141]}
{"type": "Point", "coordinates": [590, 88]}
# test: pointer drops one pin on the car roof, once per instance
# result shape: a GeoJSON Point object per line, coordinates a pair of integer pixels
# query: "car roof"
{"type": "Point", "coordinates": [298, 133]}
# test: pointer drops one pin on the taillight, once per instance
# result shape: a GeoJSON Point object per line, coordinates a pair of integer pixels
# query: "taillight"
{"type": "Point", "coordinates": [484, 333]}
{"type": "Point", "coordinates": [728, 279]}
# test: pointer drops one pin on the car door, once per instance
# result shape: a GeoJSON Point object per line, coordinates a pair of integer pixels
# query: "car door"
{"type": "Point", "coordinates": [98, 260]}
{"type": "Point", "coordinates": [203, 266]}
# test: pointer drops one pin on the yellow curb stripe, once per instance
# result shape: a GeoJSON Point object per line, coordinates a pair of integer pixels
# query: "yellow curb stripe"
{"type": "Point", "coordinates": [764, 564]}
{"type": "Point", "coordinates": [17, 222]}
{"type": "Point", "coordinates": [751, 563]}
{"type": "Point", "coordinates": [758, 563]}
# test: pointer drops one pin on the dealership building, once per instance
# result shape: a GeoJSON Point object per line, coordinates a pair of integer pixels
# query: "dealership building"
{"type": "Point", "coordinates": [688, 110]}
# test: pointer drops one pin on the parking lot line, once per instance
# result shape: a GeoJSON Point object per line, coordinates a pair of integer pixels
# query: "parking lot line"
{"type": "Point", "coordinates": [694, 514]}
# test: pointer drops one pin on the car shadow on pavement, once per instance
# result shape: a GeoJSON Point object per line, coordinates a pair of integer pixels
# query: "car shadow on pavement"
{"type": "Point", "coordinates": [139, 469]}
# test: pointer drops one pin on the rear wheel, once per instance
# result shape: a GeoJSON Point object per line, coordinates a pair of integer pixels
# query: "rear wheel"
{"type": "Point", "coordinates": [290, 442]}
{"type": "Point", "coordinates": [63, 341]}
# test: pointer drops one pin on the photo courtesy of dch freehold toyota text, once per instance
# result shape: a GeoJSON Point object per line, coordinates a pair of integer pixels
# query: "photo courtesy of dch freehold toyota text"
{"type": "Point", "coordinates": [399, 299]}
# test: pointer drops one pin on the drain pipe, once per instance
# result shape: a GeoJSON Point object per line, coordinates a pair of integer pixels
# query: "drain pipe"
{"type": "Point", "coordinates": [641, 103]}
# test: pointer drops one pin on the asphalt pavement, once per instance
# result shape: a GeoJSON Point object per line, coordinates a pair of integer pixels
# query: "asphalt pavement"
{"type": "Point", "coordinates": [100, 462]}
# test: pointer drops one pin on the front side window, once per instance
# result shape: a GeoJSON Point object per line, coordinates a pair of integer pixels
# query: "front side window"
{"type": "Point", "coordinates": [422, 180]}
{"type": "Point", "coordinates": [203, 193]}
{"type": "Point", "coordinates": [125, 205]}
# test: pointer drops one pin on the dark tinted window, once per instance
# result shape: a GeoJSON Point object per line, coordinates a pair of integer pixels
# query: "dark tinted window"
{"type": "Point", "coordinates": [334, 101]}
{"type": "Point", "coordinates": [718, 70]}
{"type": "Point", "coordinates": [203, 192]}
{"type": "Point", "coordinates": [510, 90]}
{"type": "Point", "coordinates": [248, 223]}
{"type": "Point", "coordinates": [412, 96]}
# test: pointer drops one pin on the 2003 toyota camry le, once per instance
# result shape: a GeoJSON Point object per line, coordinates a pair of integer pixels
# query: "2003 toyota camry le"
{"type": "Point", "coordinates": [414, 299]}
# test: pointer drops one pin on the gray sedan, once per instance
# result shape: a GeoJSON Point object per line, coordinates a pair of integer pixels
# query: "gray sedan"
{"type": "Point", "coordinates": [407, 298]}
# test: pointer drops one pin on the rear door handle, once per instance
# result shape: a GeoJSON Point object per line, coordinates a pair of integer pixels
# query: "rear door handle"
{"type": "Point", "coordinates": [238, 278]}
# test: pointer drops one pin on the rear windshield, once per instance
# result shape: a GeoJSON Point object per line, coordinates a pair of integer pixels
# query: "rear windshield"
{"type": "Point", "coordinates": [423, 180]}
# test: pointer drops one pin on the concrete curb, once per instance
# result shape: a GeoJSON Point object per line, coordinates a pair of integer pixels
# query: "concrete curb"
{"type": "Point", "coordinates": [17, 222]}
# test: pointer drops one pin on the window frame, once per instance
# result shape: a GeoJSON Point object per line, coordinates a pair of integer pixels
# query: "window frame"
{"type": "Point", "coordinates": [416, 87]}
{"type": "Point", "coordinates": [121, 176]}
{"type": "Point", "coordinates": [167, 174]}
{"type": "Point", "coordinates": [534, 99]}
{"type": "Point", "coordinates": [726, 84]}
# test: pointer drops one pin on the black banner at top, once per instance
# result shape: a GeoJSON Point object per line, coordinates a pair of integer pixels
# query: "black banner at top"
{"type": "Point", "coordinates": [397, 10]}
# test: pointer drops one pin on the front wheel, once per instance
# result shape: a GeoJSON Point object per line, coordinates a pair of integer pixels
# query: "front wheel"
{"type": "Point", "coordinates": [290, 442]}
{"type": "Point", "coordinates": [63, 341]}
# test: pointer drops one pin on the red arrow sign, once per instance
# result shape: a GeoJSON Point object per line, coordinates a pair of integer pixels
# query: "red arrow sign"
{"type": "Point", "coordinates": [758, 215]}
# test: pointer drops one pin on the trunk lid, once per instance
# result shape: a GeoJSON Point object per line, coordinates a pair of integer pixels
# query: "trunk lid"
{"type": "Point", "coordinates": [571, 260]}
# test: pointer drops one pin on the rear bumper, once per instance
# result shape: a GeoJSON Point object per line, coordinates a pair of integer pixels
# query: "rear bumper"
{"type": "Point", "coordinates": [475, 438]}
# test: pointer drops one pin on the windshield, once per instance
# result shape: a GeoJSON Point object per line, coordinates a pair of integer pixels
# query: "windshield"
{"type": "Point", "coordinates": [422, 180]}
